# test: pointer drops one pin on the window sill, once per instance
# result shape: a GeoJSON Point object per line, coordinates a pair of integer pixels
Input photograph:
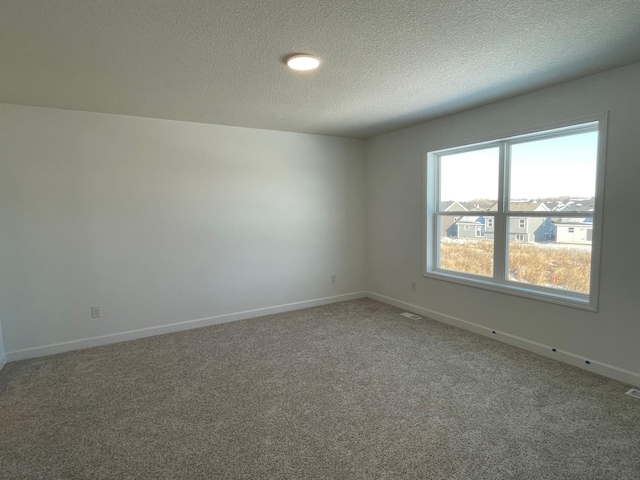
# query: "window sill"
{"type": "Point", "coordinates": [548, 295]}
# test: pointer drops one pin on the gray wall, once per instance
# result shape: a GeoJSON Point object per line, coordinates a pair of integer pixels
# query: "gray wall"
{"type": "Point", "coordinates": [3, 357]}
{"type": "Point", "coordinates": [395, 220]}
{"type": "Point", "coordinates": [159, 222]}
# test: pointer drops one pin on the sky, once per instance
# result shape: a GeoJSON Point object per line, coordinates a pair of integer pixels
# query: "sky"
{"type": "Point", "coordinates": [562, 166]}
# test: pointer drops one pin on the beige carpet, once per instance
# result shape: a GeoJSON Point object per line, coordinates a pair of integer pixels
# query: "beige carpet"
{"type": "Point", "coordinates": [346, 391]}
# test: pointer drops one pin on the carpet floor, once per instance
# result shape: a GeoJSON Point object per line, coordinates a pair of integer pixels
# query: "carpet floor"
{"type": "Point", "coordinates": [344, 391]}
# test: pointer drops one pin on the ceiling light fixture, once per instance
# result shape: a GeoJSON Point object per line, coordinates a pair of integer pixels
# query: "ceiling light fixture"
{"type": "Point", "coordinates": [303, 62]}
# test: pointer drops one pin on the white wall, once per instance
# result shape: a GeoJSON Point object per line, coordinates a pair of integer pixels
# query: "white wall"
{"type": "Point", "coordinates": [395, 208]}
{"type": "Point", "coordinates": [159, 222]}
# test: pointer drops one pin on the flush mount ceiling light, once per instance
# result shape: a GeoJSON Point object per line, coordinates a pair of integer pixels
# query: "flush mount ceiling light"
{"type": "Point", "coordinates": [303, 62]}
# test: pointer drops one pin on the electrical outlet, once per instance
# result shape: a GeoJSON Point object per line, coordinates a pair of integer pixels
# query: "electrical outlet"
{"type": "Point", "coordinates": [333, 279]}
{"type": "Point", "coordinates": [95, 312]}
{"type": "Point", "coordinates": [413, 286]}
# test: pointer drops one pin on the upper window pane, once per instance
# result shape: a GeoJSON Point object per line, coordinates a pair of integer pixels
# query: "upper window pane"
{"type": "Point", "coordinates": [469, 180]}
{"type": "Point", "coordinates": [554, 174]}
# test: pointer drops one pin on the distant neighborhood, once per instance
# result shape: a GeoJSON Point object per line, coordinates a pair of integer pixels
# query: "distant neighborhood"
{"type": "Point", "coordinates": [478, 224]}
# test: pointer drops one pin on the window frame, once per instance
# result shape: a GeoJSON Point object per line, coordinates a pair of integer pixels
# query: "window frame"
{"type": "Point", "coordinates": [499, 281]}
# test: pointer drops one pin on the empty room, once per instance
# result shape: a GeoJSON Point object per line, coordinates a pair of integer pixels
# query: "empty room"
{"type": "Point", "coordinates": [319, 239]}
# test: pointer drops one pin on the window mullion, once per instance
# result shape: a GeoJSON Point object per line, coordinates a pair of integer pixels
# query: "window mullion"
{"type": "Point", "coordinates": [500, 235]}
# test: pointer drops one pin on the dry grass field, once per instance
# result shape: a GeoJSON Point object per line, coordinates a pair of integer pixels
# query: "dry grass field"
{"type": "Point", "coordinates": [546, 264]}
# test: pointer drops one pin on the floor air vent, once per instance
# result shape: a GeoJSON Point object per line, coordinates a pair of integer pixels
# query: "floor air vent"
{"type": "Point", "coordinates": [413, 316]}
{"type": "Point", "coordinates": [634, 393]}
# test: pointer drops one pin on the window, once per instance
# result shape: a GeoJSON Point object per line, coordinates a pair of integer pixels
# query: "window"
{"type": "Point", "coordinates": [537, 180]}
{"type": "Point", "coordinates": [571, 230]}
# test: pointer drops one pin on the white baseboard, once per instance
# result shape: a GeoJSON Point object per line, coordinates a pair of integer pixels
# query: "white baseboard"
{"type": "Point", "coordinates": [3, 361]}
{"type": "Point", "coordinates": [173, 327]}
{"type": "Point", "coordinates": [604, 369]}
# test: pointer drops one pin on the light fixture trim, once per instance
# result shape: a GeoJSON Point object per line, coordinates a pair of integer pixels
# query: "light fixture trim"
{"type": "Point", "coordinates": [303, 62]}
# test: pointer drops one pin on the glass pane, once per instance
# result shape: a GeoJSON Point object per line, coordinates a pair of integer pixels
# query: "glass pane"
{"type": "Point", "coordinates": [554, 174]}
{"type": "Point", "coordinates": [466, 244]}
{"type": "Point", "coordinates": [469, 180]}
{"type": "Point", "coordinates": [551, 252]}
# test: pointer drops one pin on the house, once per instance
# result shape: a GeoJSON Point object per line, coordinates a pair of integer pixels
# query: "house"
{"type": "Point", "coordinates": [448, 225]}
{"type": "Point", "coordinates": [574, 230]}
{"type": "Point", "coordinates": [471, 226]}
{"type": "Point", "coordinates": [162, 169]}
{"type": "Point", "coordinates": [530, 229]}
{"type": "Point", "coordinates": [525, 229]}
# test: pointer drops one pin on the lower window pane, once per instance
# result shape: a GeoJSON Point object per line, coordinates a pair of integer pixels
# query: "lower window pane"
{"type": "Point", "coordinates": [466, 244]}
{"type": "Point", "coordinates": [551, 252]}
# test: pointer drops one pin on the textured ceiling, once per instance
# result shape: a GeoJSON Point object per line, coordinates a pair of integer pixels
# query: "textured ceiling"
{"type": "Point", "coordinates": [386, 64]}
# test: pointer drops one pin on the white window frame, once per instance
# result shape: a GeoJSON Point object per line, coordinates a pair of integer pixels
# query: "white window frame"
{"type": "Point", "coordinates": [499, 282]}
{"type": "Point", "coordinates": [522, 223]}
